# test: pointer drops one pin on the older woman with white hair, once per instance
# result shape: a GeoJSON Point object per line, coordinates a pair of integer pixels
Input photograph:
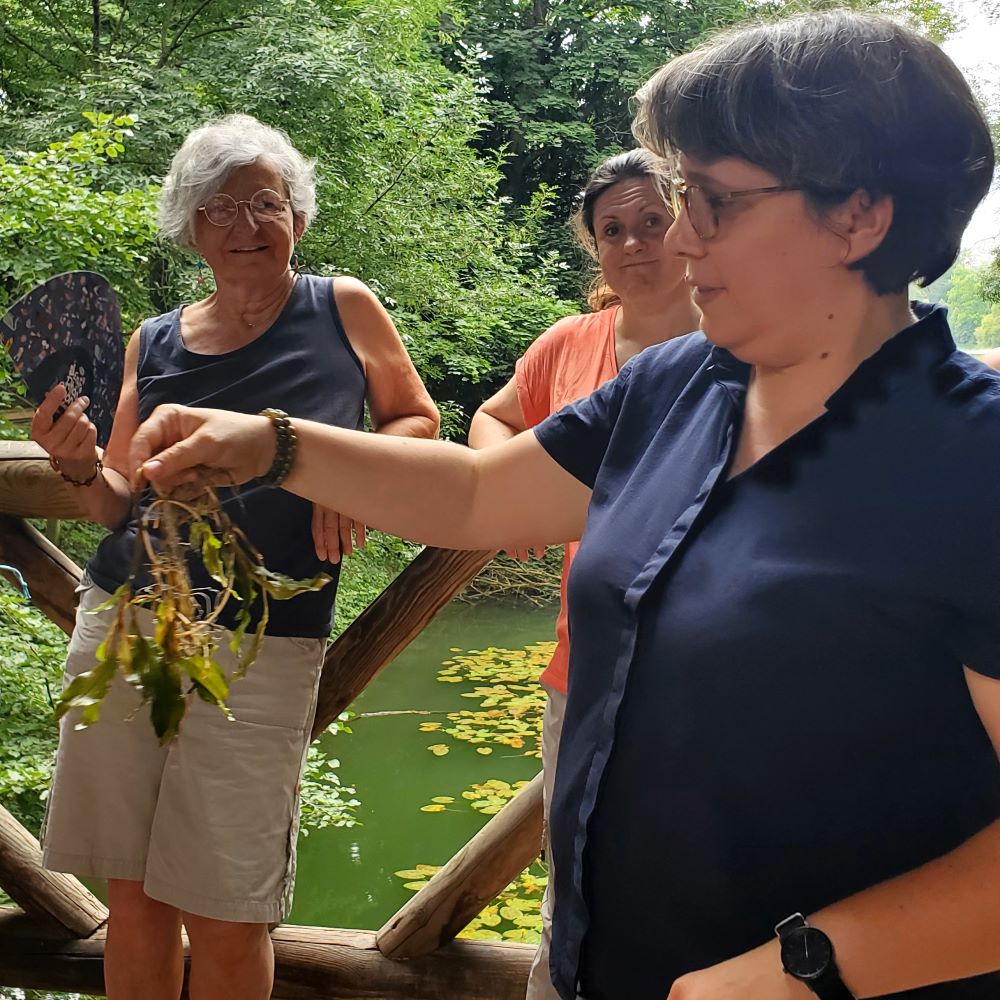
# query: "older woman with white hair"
{"type": "Point", "coordinates": [202, 831]}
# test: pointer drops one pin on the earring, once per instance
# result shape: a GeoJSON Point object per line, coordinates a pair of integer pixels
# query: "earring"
{"type": "Point", "coordinates": [200, 279]}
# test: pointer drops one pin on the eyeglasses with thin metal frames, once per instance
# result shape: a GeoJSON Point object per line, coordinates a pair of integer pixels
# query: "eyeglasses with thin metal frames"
{"type": "Point", "coordinates": [222, 209]}
{"type": "Point", "coordinates": [703, 209]}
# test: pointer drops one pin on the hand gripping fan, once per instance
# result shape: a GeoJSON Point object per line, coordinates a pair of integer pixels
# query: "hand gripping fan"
{"type": "Point", "coordinates": [68, 329]}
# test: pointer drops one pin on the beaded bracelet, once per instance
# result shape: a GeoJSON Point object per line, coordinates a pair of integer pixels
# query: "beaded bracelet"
{"type": "Point", "coordinates": [98, 465]}
{"type": "Point", "coordinates": [284, 452]}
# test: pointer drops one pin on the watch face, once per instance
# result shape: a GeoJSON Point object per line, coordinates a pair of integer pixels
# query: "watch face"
{"type": "Point", "coordinates": [806, 953]}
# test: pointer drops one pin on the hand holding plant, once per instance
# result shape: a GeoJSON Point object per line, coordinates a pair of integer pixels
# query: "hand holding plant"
{"type": "Point", "coordinates": [178, 660]}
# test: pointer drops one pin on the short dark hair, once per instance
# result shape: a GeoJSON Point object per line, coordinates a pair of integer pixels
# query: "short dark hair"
{"type": "Point", "coordinates": [837, 102]}
{"type": "Point", "coordinates": [635, 164]}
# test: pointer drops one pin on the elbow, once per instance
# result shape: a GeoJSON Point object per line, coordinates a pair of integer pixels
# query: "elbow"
{"type": "Point", "coordinates": [433, 419]}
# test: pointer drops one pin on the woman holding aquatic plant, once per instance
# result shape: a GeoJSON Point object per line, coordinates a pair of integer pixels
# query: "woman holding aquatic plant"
{"type": "Point", "coordinates": [784, 702]}
{"type": "Point", "coordinates": [200, 829]}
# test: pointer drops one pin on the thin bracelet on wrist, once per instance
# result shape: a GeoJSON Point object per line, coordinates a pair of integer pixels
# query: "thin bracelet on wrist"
{"type": "Point", "coordinates": [284, 451]}
{"type": "Point", "coordinates": [76, 483]}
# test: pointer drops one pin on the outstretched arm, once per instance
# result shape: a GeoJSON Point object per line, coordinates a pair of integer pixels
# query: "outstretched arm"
{"type": "Point", "coordinates": [429, 491]}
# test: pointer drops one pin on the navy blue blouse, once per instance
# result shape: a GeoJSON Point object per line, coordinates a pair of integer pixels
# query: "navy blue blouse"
{"type": "Point", "coordinates": [767, 706]}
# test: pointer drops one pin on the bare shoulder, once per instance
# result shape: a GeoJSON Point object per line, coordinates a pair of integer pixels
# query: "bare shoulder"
{"type": "Point", "coordinates": [992, 358]}
{"type": "Point", "coordinates": [132, 344]}
{"type": "Point", "coordinates": [352, 294]}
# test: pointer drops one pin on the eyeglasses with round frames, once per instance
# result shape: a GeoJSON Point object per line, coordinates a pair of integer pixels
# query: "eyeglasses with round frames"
{"type": "Point", "coordinates": [223, 210]}
{"type": "Point", "coordinates": [703, 208]}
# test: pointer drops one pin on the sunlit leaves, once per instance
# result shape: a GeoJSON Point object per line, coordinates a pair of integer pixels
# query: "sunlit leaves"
{"type": "Point", "coordinates": [515, 915]}
{"type": "Point", "coordinates": [59, 217]}
{"type": "Point", "coordinates": [326, 801]}
{"type": "Point", "coordinates": [511, 703]}
{"type": "Point", "coordinates": [508, 718]}
{"type": "Point", "coordinates": [30, 667]}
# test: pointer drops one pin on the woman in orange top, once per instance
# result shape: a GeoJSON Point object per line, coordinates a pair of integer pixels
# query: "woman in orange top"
{"type": "Point", "coordinates": [640, 298]}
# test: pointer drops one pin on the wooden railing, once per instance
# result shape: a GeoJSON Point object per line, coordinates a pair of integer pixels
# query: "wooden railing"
{"type": "Point", "coordinates": [55, 938]}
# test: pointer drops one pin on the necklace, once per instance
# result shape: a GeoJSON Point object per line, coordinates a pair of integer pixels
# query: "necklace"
{"type": "Point", "coordinates": [281, 304]}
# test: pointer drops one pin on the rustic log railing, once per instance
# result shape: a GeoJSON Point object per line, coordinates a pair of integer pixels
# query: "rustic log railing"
{"type": "Point", "coordinates": [311, 963]}
{"type": "Point", "coordinates": [54, 899]}
{"type": "Point", "coordinates": [55, 939]}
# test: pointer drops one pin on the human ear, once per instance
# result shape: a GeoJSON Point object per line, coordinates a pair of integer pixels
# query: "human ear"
{"type": "Point", "coordinates": [862, 223]}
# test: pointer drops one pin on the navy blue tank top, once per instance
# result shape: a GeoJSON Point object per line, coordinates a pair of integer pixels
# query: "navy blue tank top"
{"type": "Point", "coordinates": [303, 364]}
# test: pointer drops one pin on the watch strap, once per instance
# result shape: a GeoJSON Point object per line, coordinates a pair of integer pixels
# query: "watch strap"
{"type": "Point", "coordinates": [827, 986]}
{"type": "Point", "coordinates": [830, 986]}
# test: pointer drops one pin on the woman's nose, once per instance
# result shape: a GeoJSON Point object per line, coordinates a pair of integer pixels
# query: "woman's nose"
{"type": "Point", "coordinates": [680, 240]}
{"type": "Point", "coordinates": [632, 242]}
{"type": "Point", "coordinates": [244, 214]}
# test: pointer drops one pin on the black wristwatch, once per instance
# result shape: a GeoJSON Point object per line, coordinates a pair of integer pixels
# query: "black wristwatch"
{"type": "Point", "coordinates": [807, 954]}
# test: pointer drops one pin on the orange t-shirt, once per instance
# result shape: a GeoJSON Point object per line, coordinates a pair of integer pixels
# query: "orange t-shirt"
{"type": "Point", "coordinates": [569, 361]}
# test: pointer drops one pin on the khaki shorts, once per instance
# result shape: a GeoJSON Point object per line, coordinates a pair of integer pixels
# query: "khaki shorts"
{"type": "Point", "coordinates": [208, 823]}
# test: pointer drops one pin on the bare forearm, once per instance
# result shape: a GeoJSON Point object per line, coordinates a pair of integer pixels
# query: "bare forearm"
{"type": "Point", "coordinates": [108, 499]}
{"type": "Point", "coordinates": [936, 923]}
{"type": "Point", "coordinates": [435, 492]}
{"type": "Point", "coordinates": [487, 430]}
{"type": "Point", "coordinates": [416, 426]}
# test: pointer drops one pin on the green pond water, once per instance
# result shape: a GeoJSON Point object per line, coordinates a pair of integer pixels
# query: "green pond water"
{"type": "Point", "coordinates": [345, 876]}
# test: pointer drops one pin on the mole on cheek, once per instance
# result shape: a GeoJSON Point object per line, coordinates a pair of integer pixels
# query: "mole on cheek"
{"type": "Point", "coordinates": [825, 355]}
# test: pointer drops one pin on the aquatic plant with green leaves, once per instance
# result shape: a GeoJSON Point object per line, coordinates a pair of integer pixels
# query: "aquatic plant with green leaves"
{"type": "Point", "coordinates": [515, 915]}
{"type": "Point", "coordinates": [177, 658]}
{"type": "Point", "coordinates": [511, 701]}
{"type": "Point", "coordinates": [509, 716]}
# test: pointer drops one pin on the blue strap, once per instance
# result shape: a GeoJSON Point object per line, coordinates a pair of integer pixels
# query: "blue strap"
{"type": "Point", "coordinates": [13, 570]}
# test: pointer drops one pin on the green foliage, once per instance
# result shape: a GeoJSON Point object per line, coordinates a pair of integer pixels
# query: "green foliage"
{"type": "Point", "coordinates": [966, 290]}
{"type": "Point", "coordinates": [78, 539]}
{"type": "Point", "coordinates": [326, 801]}
{"type": "Point", "coordinates": [406, 203]}
{"type": "Point", "coordinates": [366, 573]}
{"type": "Point", "coordinates": [58, 216]}
{"type": "Point", "coordinates": [559, 75]}
{"type": "Point", "coordinates": [30, 678]}
{"type": "Point", "coordinates": [988, 332]}
{"type": "Point", "coordinates": [178, 658]}
{"type": "Point", "coordinates": [12, 993]}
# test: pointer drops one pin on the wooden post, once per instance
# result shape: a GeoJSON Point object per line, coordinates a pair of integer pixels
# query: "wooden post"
{"type": "Point", "coordinates": [30, 488]}
{"type": "Point", "coordinates": [51, 575]}
{"type": "Point", "coordinates": [311, 963]}
{"type": "Point", "coordinates": [508, 843]}
{"type": "Point", "coordinates": [389, 624]}
{"type": "Point", "coordinates": [53, 898]}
